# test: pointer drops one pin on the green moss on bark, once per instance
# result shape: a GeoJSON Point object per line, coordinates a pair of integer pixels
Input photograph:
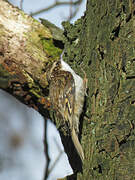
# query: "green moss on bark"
{"type": "Point", "coordinates": [5, 77]}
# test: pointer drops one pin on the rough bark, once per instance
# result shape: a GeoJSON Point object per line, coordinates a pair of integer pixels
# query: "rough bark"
{"type": "Point", "coordinates": [102, 44]}
{"type": "Point", "coordinates": [105, 49]}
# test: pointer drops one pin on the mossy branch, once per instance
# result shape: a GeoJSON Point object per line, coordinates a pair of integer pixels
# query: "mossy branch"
{"type": "Point", "coordinates": [26, 52]}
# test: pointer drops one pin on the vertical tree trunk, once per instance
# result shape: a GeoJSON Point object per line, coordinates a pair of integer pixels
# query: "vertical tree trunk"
{"type": "Point", "coordinates": [102, 43]}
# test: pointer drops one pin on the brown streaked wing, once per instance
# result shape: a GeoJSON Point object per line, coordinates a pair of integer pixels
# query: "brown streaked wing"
{"type": "Point", "coordinates": [62, 94]}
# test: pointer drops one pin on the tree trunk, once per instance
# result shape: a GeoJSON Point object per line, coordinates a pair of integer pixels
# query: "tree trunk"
{"type": "Point", "coordinates": [105, 49]}
{"type": "Point", "coordinates": [101, 44]}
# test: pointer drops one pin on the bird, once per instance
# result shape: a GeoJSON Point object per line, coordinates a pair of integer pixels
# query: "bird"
{"type": "Point", "coordinates": [66, 94]}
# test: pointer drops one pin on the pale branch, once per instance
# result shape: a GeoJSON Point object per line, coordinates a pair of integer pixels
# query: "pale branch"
{"type": "Point", "coordinates": [26, 51]}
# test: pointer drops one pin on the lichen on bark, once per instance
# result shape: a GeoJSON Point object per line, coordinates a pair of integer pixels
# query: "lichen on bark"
{"type": "Point", "coordinates": [102, 43]}
{"type": "Point", "coordinates": [26, 51]}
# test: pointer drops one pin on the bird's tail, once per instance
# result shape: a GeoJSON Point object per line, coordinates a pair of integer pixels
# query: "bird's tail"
{"type": "Point", "coordinates": [77, 144]}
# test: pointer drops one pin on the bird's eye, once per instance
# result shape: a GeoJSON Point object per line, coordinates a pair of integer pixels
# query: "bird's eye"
{"type": "Point", "coordinates": [57, 66]}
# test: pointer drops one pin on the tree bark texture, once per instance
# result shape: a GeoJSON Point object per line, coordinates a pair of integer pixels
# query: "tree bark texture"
{"type": "Point", "coordinates": [101, 46]}
{"type": "Point", "coordinates": [106, 51]}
